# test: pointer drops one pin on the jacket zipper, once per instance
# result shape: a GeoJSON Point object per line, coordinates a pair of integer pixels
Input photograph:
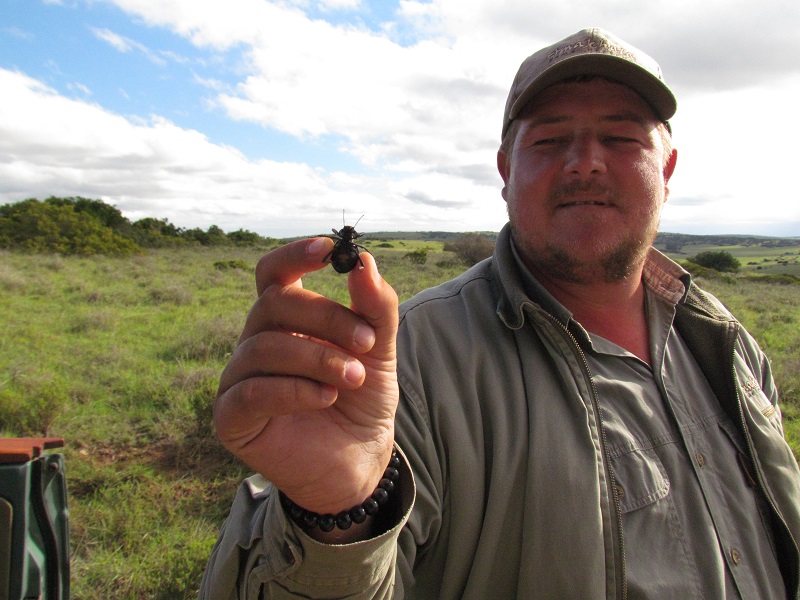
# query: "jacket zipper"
{"type": "Point", "coordinates": [607, 455]}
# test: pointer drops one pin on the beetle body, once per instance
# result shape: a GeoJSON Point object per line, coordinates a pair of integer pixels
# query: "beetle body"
{"type": "Point", "coordinates": [345, 253]}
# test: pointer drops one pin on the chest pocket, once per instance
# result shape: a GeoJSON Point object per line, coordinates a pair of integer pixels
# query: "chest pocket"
{"type": "Point", "coordinates": [640, 479]}
{"type": "Point", "coordinates": [655, 545]}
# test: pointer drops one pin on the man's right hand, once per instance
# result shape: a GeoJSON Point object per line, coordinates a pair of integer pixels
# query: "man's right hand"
{"type": "Point", "coordinates": [309, 396]}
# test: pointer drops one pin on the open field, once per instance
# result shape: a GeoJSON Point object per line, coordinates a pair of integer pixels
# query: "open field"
{"type": "Point", "coordinates": [756, 259]}
{"type": "Point", "coordinates": [121, 357]}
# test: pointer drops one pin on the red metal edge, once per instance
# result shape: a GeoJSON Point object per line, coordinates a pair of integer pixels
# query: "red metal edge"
{"type": "Point", "coordinates": [21, 450]}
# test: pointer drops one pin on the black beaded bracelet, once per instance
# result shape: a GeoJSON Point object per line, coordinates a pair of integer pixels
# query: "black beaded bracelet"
{"type": "Point", "coordinates": [358, 514]}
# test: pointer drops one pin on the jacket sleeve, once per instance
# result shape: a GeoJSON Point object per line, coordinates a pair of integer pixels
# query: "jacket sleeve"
{"type": "Point", "coordinates": [260, 553]}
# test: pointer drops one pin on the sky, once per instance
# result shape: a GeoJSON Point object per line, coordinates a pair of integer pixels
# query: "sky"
{"type": "Point", "coordinates": [275, 116]}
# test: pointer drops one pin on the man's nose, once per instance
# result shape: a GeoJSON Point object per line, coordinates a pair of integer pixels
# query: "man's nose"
{"type": "Point", "coordinates": [585, 157]}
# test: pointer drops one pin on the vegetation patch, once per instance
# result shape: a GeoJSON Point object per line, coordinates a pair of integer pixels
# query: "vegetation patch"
{"type": "Point", "coordinates": [82, 226]}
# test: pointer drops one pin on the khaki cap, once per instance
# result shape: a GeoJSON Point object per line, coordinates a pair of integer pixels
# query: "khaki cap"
{"type": "Point", "coordinates": [590, 52]}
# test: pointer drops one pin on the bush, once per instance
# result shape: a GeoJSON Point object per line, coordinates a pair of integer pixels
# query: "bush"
{"type": "Point", "coordinates": [224, 265]}
{"type": "Point", "coordinates": [707, 273]}
{"type": "Point", "coordinates": [417, 257]}
{"type": "Point", "coordinates": [719, 260]}
{"type": "Point", "coordinates": [471, 248]}
{"type": "Point", "coordinates": [83, 226]}
{"type": "Point", "coordinates": [33, 226]}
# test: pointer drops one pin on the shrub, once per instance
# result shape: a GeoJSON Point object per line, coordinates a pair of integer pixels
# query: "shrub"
{"type": "Point", "coordinates": [417, 257]}
{"type": "Point", "coordinates": [471, 248]}
{"type": "Point", "coordinates": [719, 260]}
{"type": "Point", "coordinates": [33, 226]}
{"type": "Point", "coordinates": [224, 265]}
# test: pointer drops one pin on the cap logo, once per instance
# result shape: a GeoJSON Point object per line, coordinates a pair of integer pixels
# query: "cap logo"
{"type": "Point", "coordinates": [592, 46]}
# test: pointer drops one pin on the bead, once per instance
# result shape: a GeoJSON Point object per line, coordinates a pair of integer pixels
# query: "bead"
{"type": "Point", "coordinates": [392, 474]}
{"type": "Point", "coordinates": [358, 515]}
{"type": "Point", "coordinates": [327, 522]}
{"type": "Point", "coordinates": [343, 520]}
{"type": "Point", "coordinates": [386, 484]}
{"type": "Point", "coordinates": [295, 511]}
{"type": "Point", "coordinates": [381, 496]}
{"type": "Point", "coordinates": [371, 507]}
{"type": "Point", "coordinates": [309, 520]}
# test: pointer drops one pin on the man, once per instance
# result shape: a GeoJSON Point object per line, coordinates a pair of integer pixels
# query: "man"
{"type": "Point", "coordinates": [573, 417]}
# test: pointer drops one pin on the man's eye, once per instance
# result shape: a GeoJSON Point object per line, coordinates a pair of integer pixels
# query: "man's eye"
{"type": "Point", "coordinates": [622, 139]}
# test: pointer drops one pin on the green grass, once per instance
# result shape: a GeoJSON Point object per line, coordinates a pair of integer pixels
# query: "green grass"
{"type": "Point", "coordinates": [771, 313]}
{"type": "Point", "coordinates": [121, 357]}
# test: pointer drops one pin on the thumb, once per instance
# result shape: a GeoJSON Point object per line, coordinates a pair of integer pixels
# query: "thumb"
{"type": "Point", "coordinates": [376, 301]}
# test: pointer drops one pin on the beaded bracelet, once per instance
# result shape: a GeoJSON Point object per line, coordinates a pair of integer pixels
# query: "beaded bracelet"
{"type": "Point", "coordinates": [358, 514]}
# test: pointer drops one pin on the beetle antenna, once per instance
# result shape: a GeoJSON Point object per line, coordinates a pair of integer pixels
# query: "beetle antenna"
{"type": "Point", "coordinates": [359, 219]}
{"type": "Point", "coordinates": [342, 217]}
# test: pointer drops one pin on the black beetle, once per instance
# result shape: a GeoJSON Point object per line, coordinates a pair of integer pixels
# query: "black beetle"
{"type": "Point", "coordinates": [345, 253]}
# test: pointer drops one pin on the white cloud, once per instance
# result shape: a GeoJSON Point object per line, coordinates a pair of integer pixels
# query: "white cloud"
{"type": "Point", "coordinates": [50, 144]}
{"type": "Point", "coordinates": [421, 113]}
{"type": "Point", "coordinates": [327, 5]}
{"type": "Point", "coordinates": [116, 41]}
{"type": "Point", "coordinates": [125, 45]}
{"type": "Point", "coordinates": [737, 155]}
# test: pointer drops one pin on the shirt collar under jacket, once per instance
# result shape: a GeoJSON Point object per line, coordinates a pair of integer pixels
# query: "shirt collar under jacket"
{"type": "Point", "coordinates": [662, 276]}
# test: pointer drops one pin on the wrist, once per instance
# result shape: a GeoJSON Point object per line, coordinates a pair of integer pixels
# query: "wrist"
{"type": "Point", "coordinates": [357, 515]}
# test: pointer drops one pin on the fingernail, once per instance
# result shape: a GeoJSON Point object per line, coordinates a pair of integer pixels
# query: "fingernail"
{"type": "Point", "coordinates": [327, 394]}
{"type": "Point", "coordinates": [354, 371]}
{"type": "Point", "coordinates": [316, 247]}
{"type": "Point", "coordinates": [364, 336]}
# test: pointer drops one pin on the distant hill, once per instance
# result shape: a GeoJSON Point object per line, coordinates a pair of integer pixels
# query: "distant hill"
{"type": "Point", "coordinates": [425, 236]}
{"type": "Point", "coordinates": [672, 242]}
{"type": "Point", "coordinates": [675, 242]}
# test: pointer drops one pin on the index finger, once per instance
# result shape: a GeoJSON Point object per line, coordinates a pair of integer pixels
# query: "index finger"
{"type": "Point", "coordinates": [287, 264]}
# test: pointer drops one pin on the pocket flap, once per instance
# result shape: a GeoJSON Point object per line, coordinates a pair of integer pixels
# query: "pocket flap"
{"type": "Point", "coordinates": [641, 479]}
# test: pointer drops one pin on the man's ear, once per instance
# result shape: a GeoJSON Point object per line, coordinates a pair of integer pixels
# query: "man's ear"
{"type": "Point", "coordinates": [669, 169]}
{"type": "Point", "coordinates": [504, 168]}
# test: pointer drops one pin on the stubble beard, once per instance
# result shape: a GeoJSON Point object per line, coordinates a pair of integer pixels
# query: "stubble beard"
{"type": "Point", "coordinates": [611, 262]}
{"type": "Point", "coordinates": [611, 266]}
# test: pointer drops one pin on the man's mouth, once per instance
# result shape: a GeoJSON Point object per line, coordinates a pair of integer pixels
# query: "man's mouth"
{"type": "Point", "coordinates": [582, 203]}
{"type": "Point", "coordinates": [581, 194]}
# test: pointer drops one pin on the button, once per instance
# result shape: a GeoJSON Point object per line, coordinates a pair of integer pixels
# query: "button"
{"type": "Point", "coordinates": [736, 557]}
{"type": "Point", "coordinates": [701, 460]}
{"type": "Point", "coordinates": [620, 492]}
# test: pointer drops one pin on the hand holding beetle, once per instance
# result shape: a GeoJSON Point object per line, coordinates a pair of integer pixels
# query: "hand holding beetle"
{"type": "Point", "coordinates": [309, 396]}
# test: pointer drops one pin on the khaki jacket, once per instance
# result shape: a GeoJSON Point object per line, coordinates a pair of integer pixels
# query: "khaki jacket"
{"type": "Point", "coordinates": [511, 495]}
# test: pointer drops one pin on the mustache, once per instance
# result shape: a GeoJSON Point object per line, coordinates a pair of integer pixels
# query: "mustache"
{"type": "Point", "coordinates": [577, 188]}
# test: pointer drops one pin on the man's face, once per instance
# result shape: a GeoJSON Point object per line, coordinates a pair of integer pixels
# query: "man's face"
{"type": "Point", "coordinates": [585, 181]}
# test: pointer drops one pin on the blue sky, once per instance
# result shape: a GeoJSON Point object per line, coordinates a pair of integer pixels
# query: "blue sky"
{"type": "Point", "coordinates": [274, 116]}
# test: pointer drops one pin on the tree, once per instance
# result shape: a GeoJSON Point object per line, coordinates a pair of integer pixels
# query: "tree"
{"type": "Point", "coordinates": [417, 257]}
{"type": "Point", "coordinates": [471, 248]}
{"type": "Point", "coordinates": [156, 233]}
{"type": "Point", "coordinates": [34, 226]}
{"type": "Point", "coordinates": [243, 237]}
{"type": "Point", "coordinates": [107, 214]}
{"type": "Point", "coordinates": [719, 260]}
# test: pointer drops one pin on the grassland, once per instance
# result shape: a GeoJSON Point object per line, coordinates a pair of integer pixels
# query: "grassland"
{"type": "Point", "coordinates": [121, 358]}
